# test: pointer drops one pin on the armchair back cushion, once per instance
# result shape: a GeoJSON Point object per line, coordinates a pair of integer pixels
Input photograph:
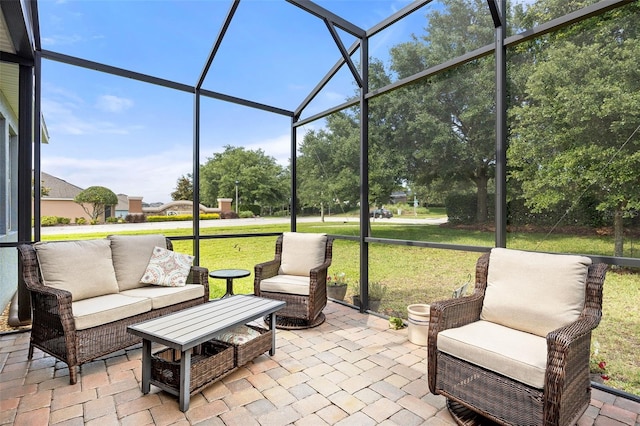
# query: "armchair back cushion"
{"type": "Point", "coordinates": [301, 252]}
{"type": "Point", "coordinates": [534, 292]}
{"type": "Point", "coordinates": [131, 255]}
{"type": "Point", "coordinates": [84, 268]}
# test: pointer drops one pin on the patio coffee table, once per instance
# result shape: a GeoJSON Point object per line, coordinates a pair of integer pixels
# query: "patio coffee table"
{"type": "Point", "coordinates": [186, 329]}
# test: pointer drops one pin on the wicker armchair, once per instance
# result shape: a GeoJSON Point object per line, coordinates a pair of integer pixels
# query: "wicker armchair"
{"type": "Point", "coordinates": [508, 356]}
{"type": "Point", "coordinates": [297, 275]}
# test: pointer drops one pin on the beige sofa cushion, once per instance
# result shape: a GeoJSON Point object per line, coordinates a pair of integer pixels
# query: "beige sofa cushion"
{"type": "Point", "coordinates": [101, 310]}
{"type": "Point", "coordinates": [131, 254]}
{"type": "Point", "coordinates": [83, 268]}
{"type": "Point", "coordinates": [290, 284]}
{"type": "Point", "coordinates": [167, 296]}
{"type": "Point", "coordinates": [301, 252]}
{"type": "Point", "coordinates": [512, 353]}
{"type": "Point", "coordinates": [534, 292]}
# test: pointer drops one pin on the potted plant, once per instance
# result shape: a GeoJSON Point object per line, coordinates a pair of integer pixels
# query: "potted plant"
{"type": "Point", "coordinates": [377, 291]}
{"type": "Point", "coordinates": [337, 286]}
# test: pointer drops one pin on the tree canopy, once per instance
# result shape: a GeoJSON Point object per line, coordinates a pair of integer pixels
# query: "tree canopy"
{"type": "Point", "coordinates": [97, 198]}
{"type": "Point", "coordinates": [184, 188]}
{"type": "Point", "coordinates": [261, 180]}
{"type": "Point", "coordinates": [572, 133]}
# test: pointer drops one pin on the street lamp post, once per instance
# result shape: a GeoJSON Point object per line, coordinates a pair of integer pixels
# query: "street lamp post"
{"type": "Point", "coordinates": [237, 196]}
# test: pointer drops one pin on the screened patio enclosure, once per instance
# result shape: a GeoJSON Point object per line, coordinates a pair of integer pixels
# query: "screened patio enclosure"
{"type": "Point", "coordinates": [512, 121]}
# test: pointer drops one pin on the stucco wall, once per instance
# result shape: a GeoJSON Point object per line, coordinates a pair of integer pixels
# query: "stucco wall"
{"type": "Point", "coordinates": [62, 208]}
{"type": "Point", "coordinates": [8, 202]}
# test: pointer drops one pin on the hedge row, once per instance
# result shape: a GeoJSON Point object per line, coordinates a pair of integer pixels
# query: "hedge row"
{"type": "Point", "coordinates": [462, 209]}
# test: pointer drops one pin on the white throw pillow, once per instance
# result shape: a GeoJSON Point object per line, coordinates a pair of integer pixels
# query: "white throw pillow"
{"type": "Point", "coordinates": [83, 268]}
{"type": "Point", "coordinates": [167, 268]}
{"type": "Point", "coordinates": [534, 292]}
{"type": "Point", "coordinates": [301, 253]}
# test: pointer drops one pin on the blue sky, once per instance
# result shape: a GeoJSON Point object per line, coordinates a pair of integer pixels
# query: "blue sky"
{"type": "Point", "coordinates": [136, 138]}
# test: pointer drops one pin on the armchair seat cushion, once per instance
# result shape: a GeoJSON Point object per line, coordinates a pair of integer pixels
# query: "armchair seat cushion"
{"type": "Point", "coordinates": [166, 296]}
{"type": "Point", "coordinates": [100, 310]}
{"type": "Point", "coordinates": [516, 354]}
{"type": "Point", "coordinates": [290, 284]}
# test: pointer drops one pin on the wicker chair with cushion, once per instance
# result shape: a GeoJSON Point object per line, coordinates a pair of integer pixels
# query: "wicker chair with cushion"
{"type": "Point", "coordinates": [298, 276]}
{"type": "Point", "coordinates": [517, 350]}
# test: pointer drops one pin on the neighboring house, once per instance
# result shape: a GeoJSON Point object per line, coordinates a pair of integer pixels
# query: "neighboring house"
{"type": "Point", "coordinates": [58, 200]}
{"type": "Point", "coordinates": [122, 208]}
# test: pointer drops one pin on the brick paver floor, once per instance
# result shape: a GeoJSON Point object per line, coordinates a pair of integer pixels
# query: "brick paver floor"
{"type": "Point", "coordinates": [351, 370]}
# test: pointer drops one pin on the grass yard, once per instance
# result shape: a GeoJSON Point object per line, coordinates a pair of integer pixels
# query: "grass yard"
{"type": "Point", "coordinates": [419, 275]}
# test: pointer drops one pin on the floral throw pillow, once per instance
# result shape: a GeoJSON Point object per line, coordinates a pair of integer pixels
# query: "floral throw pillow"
{"type": "Point", "coordinates": [167, 268]}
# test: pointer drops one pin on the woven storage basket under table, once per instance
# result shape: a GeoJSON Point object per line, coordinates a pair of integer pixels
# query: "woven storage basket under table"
{"type": "Point", "coordinates": [210, 361]}
{"type": "Point", "coordinates": [247, 351]}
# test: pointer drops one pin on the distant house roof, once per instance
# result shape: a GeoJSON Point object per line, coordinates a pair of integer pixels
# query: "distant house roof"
{"type": "Point", "coordinates": [59, 188]}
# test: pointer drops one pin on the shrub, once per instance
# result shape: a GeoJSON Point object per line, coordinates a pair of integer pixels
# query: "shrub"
{"type": "Point", "coordinates": [134, 218]}
{"type": "Point", "coordinates": [80, 221]}
{"type": "Point", "coordinates": [210, 216]}
{"type": "Point", "coordinates": [245, 214]}
{"type": "Point", "coordinates": [228, 215]}
{"type": "Point", "coordinates": [63, 220]}
{"type": "Point", "coordinates": [254, 208]}
{"type": "Point", "coordinates": [48, 220]}
{"type": "Point", "coordinates": [112, 219]}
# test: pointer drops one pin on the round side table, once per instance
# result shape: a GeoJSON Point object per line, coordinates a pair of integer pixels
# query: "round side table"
{"type": "Point", "coordinates": [229, 275]}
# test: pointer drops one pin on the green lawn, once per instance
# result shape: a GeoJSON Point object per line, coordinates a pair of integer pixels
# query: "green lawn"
{"type": "Point", "coordinates": [419, 275]}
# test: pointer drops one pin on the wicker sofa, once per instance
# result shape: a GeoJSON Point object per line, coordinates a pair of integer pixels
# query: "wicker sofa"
{"type": "Point", "coordinates": [85, 293]}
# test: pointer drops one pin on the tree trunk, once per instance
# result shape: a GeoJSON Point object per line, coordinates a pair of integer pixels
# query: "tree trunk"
{"type": "Point", "coordinates": [481, 207]}
{"type": "Point", "coordinates": [618, 232]}
{"type": "Point", "coordinates": [321, 212]}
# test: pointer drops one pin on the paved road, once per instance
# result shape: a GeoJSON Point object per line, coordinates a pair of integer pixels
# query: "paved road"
{"type": "Point", "coordinates": [117, 227]}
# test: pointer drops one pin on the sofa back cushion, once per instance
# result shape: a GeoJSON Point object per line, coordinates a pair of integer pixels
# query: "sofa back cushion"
{"type": "Point", "coordinates": [301, 252]}
{"type": "Point", "coordinates": [131, 255]}
{"type": "Point", "coordinates": [534, 292]}
{"type": "Point", "coordinates": [83, 268]}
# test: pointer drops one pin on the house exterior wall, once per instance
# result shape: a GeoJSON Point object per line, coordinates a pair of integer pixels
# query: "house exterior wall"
{"type": "Point", "coordinates": [62, 208]}
{"type": "Point", "coordinates": [8, 201]}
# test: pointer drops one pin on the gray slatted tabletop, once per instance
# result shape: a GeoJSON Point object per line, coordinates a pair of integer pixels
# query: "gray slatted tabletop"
{"type": "Point", "coordinates": [190, 327]}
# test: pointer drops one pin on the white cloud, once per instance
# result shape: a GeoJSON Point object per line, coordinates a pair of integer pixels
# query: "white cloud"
{"type": "Point", "coordinates": [60, 40]}
{"type": "Point", "coordinates": [152, 177]}
{"type": "Point", "coordinates": [111, 103]}
{"type": "Point", "coordinates": [63, 120]}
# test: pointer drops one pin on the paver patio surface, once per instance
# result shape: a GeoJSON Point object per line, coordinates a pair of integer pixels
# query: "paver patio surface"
{"type": "Point", "coordinates": [351, 370]}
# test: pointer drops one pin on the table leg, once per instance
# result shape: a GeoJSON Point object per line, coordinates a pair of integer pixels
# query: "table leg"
{"type": "Point", "coordinates": [146, 366]}
{"type": "Point", "coordinates": [273, 319]}
{"type": "Point", "coordinates": [229, 287]}
{"type": "Point", "coordinates": [185, 379]}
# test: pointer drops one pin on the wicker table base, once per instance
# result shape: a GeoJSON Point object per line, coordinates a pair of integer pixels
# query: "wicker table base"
{"type": "Point", "coordinates": [286, 323]}
{"type": "Point", "coordinates": [465, 417]}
